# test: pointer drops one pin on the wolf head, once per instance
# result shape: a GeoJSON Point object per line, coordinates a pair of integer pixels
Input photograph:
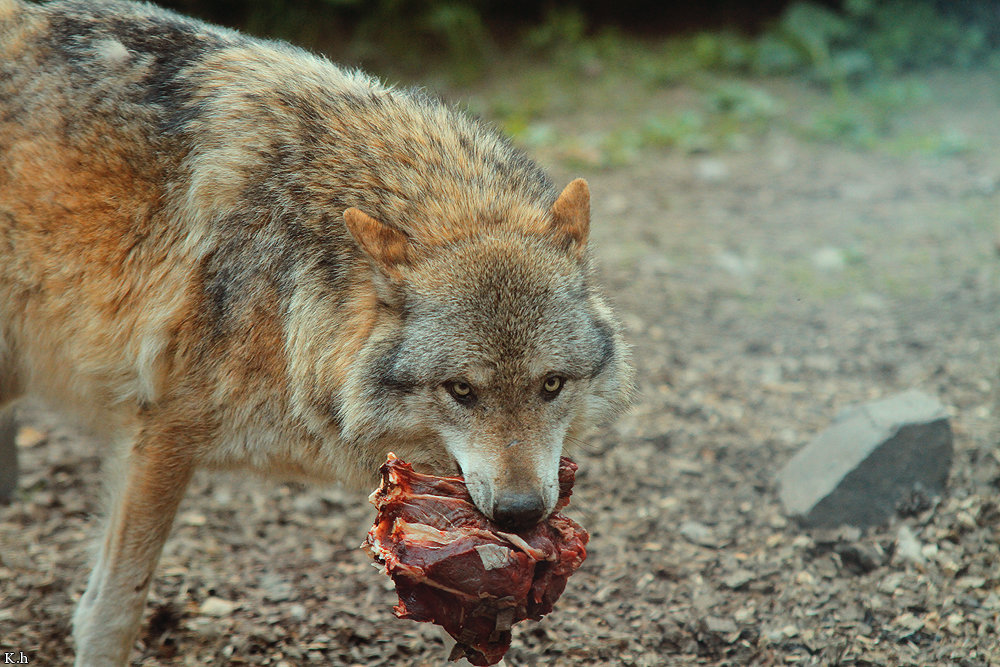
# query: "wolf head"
{"type": "Point", "coordinates": [500, 350]}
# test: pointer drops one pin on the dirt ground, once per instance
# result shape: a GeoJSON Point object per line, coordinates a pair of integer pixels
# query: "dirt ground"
{"type": "Point", "coordinates": [763, 290]}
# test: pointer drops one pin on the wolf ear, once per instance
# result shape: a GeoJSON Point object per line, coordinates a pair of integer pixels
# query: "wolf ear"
{"type": "Point", "coordinates": [387, 246]}
{"type": "Point", "coordinates": [571, 216]}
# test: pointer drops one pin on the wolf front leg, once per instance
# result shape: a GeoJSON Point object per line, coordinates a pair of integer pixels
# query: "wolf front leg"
{"type": "Point", "coordinates": [144, 501]}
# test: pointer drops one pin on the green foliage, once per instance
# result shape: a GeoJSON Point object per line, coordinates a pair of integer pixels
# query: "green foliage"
{"type": "Point", "coordinates": [685, 130]}
{"type": "Point", "coordinates": [900, 35]}
{"type": "Point", "coordinates": [406, 35]}
{"type": "Point", "coordinates": [871, 118]}
{"type": "Point", "coordinates": [834, 46]}
{"type": "Point", "coordinates": [722, 50]}
{"type": "Point", "coordinates": [558, 62]}
{"type": "Point", "coordinates": [813, 30]}
{"type": "Point", "coordinates": [744, 103]}
{"type": "Point", "coordinates": [775, 55]}
{"type": "Point", "coordinates": [562, 30]}
{"type": "Point", "coordinates": [844, 124]}
{"type": "Point", "coordinates": [838, 48]}
{"type": "Point", "coordinates": [883, 37]}
{"type": "Point", "coordinates": [564, 39]}
{"type": "Point", "coordinates": [465, 37]}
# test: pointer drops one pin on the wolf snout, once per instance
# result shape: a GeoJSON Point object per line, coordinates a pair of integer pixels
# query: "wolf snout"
{"type": "Point", "coordinates": [518, 510]}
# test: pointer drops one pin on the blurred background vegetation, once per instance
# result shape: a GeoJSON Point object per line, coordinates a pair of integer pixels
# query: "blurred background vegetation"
{"type": "Point", "coordinates": [522, 64]}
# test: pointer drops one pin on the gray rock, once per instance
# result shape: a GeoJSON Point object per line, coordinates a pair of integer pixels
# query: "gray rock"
{"type": "Point", "coordinates": [870, 459]}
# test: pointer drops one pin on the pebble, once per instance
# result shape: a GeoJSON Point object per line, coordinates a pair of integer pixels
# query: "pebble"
{"type": "Point", "coordinates": [217, 607]}
{"type": "Point", "coordinates": [738, 579]}
{"type": "Point", "coordinates": [700, 534]}
{"type": "Point", "coordinates": [908, 547]}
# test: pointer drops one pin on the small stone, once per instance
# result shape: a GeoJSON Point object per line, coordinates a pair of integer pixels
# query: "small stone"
{"type": "Point", "coordinates": [859, 558]}
{"type": "Point", "coordinates": [724, 628]}
{"type": "Point", "coordinates": [217, 607]}
{"type": "Point", "coordinates": [803, 578]}
{"type": "Point", "coordinates": [908, 547]}
{"type": "Point", "coordinates": [782, 633]}
{"type": "Point", "coordinates": [277, 589]}
{"type": "Point", "coordinates": [954, 622]}
{"type": "Point", "coordinates": [193, 519]}
{"type": "Point", "coordinates": [948, 565]}
{"type": "Point", "coordinates": [909, 622]}
{"type": "Point", "coordinates": [871, 458]}
{"type": "Point", "coordinates": [700, 534]}
{"type": "Point", "coordinates": [802, 542]}
{"type": "Point", "coordinates": [970, 582]}
{"type": "Point", "coordinates": [966, 520]}
{"type": "Point", "coordinates": [892, 583]}
{"type": "Point", "coordinates": [206, 628]}
{"type": "Point", "coordinates": [738, 579]}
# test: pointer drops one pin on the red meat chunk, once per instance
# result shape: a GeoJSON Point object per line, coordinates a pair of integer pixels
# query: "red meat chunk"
{"type": "Point", "coordinates": [454, 567]}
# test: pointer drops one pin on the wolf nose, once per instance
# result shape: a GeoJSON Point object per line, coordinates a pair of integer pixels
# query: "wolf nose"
{"type": "Point", "coordinates": [518, 510]}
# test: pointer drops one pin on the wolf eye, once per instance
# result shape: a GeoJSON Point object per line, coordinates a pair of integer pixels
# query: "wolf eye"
{"type": "Point", "coordinates": [461, 392]}
{"type": "Point", "coordinates": [552, 386]}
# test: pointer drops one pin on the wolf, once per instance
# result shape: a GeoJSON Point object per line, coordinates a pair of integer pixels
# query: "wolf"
{"type": "Point", "coordinates": [227, 253]}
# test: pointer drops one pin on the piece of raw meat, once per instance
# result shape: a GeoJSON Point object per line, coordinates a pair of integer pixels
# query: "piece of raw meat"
{"type": "Point", "coordinates": [454, 567]}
